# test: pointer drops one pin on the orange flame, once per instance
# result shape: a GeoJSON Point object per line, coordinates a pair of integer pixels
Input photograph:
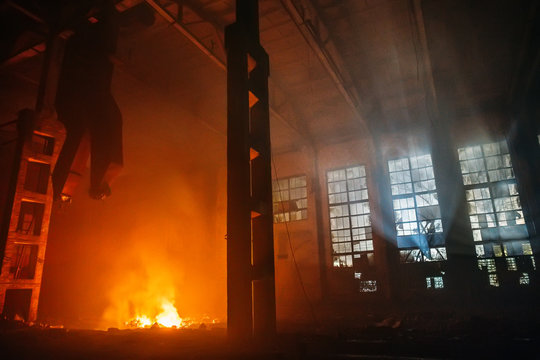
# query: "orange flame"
{"type": "Point", "coordinates": [149, 285]}
{"type": "Point", "coordinates": [168, 317]}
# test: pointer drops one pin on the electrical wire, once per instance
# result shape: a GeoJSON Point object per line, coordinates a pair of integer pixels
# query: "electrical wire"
{"type": "Point", "coordinates": [297, 268]}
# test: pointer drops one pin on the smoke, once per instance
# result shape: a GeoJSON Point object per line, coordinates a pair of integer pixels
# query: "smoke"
{"type": "Point", "coordinates": [160, 234]}
{"type": "Point", "coordinates": [166, 252]}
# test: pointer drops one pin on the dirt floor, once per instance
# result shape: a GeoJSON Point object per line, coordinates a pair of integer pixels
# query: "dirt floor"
{"type": "Point", "coordinates": [476, 339]}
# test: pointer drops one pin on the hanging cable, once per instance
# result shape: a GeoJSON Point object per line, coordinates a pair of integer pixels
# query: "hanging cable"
{"type": "Point", "coordinates": [297, 268]}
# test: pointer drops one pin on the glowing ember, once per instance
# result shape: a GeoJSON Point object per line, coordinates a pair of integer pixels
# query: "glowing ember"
{"type": "Point", "coordinates": [168, 317]}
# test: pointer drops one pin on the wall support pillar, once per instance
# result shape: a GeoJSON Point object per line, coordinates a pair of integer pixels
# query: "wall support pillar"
{"type": "Point", "coordinates": [251, 307]}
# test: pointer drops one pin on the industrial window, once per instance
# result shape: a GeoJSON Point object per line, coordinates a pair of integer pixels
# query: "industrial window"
{"type": "Point", "coordinates": [350, 224]}
{"type": "Point", "coordinates": [30, 218]}
{"type": "Point", "coordinates": [23, 263]}
{"type": "Point", "coordinates": [524, 279]}
{"type": "Point", "coordinates": [487, 264]}
{"type": "Point", "coordinates": [290, 199]}
{"type": "Point", "coordinates": [368, 286]}
{"type": "Point", "coordinates": [37, 177]}
{"type": "Point", "coordinates": [511, 264]}
{"type": "Point", "coordinates": [416, 209]}
{"type": "Point", "coordinates": [494, 206]}
{"type": "Point", "coordinates": [434, 282]}
{"type": "Point", "coordinates": [42, 144]}
{"type": "Point", "coordinates": [493, 280]}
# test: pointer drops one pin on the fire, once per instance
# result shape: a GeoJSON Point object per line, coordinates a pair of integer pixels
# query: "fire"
{"type": "Point", "coordinates": [150, 287]}
{"type": "Point", "coordinates": [168, 317]}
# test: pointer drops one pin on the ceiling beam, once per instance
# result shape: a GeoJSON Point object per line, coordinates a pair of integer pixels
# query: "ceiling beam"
{"type": "Point", "coordinates": [187, 33]}
{"type": "Point", "coordinates": [215, 58]}
{"type": "Point", "coordinates": [167, 16]}
{"type": "Point", "coordinates": [39, 48]}
{"type": "Point", "coordinates": [25, 54]}
{"type": "Point", "coordinates": [425, 58]}
{"type": "Point", "coordinates": [26, 12]}
{"type": "Point", "coordinates": [309, 23]}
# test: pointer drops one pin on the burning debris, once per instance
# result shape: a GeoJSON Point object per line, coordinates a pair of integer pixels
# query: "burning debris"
{"type": "Point", "coordinates": [168, 317]}
{"type": "Point", "coordinates": [146, 293]}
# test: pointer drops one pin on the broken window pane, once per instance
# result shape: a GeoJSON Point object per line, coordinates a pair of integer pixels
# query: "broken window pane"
{"type": "Point", "coordinates": [343, 261]}
{"type": "Point", "coordinates": [289, 197]}
{"type": "Point", "coordinates": [426, 199]}
{"type": "Point", "coordinates": [493, 202]}
{"type": "Point", "coordinates": [368, 286]}
{"type": "Point", "coordinates": [23, 263]}
{"type": "Point", "coordinates": [479, 250]}
{"type": "Point", "coordinates": [434, 282]}
{"type": "Point", "coordinates": [350, 222]}
{"type": "Point", "coordinates": [524, 279]}
{"type": "Point", "coordinates": [30, 218]}
{"type": "Point", "coordinates": [487, 264]}
{"type": "Point", "coordinates": [437, 254]}
{"type": "Point", "coordinates": [349, 212]}
{"type": "Point", "coordinates": [416, 206]}
{"type": "Point", "coordinates": [411, 256]}
{"type": "Point", "coordinates": [493, 280]}
{"type": "Point", "coordinates": [42, 144]}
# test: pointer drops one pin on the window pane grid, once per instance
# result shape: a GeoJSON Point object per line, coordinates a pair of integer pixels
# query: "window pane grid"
{"type": "Point", "coordinates": [349, 212]}
{"type": "Point", "coordinates": [289, 199]}
{"type": "Point", "coordinates": [416, 205]}
{"type": "Point", "coordinates": [494, 206]}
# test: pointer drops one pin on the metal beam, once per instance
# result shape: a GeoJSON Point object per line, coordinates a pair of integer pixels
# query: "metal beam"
{"type": "Point", "coordinates": [215, 58]}
{"type": "Point", "coordinates": [127, 4]}
{"type": "Point", "coordinates": [26, 12]}
{"type": "Point", "coordinates": [188, 34]}
{"type": "Point", "coordinates": [160, 10]}
{"type": "Point", "coordinates": [25, 54]}
{"type": "Point", "coordinates": [429, 84]}
{"type": "Point", "coordinates": [316, 34]}
{"type": "Point", "coordinates": [40, 48]}
{"type": "Point", "coordinates": [251, 303]}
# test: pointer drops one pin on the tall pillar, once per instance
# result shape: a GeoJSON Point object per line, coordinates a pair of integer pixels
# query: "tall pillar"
{"type": "Point", "coordinates": [41, 137]}
{"type": "Point", "coordinates": [384, 229]}
{"type": "Point", "coordinates": [461, 263]}
{"type": "Point", "coordinates": [321, 238]}
{"type": "Point", "coordinates": [251, 309]}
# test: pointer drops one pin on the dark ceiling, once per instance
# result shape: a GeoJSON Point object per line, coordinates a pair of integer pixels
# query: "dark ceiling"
{"type": "Point", "coordinates": [338, 67]}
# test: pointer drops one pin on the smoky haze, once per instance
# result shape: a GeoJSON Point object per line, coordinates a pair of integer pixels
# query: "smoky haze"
{"type": "Point", "coordinates": [161, 235]}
